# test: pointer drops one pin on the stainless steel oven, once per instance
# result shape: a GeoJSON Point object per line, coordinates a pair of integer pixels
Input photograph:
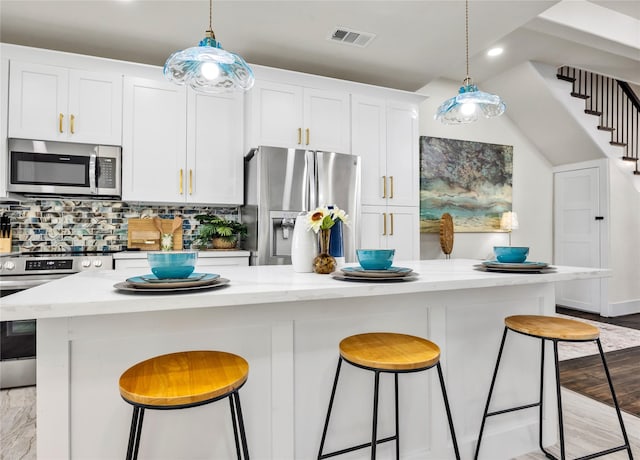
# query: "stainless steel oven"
{"type": "Point", "coordinates": [64, 168]}
{"type": "Point", "coordinates": [20, 271]}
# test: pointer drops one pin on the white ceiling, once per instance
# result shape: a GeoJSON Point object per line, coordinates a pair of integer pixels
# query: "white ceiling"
{"type": "Point", "coordinates": [416, 40]}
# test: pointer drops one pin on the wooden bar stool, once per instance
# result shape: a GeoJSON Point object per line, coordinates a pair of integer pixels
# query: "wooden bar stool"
{"type": "Point", "coordinates": [389, 353]}
{"type": "Point", "coordinates": [556, 330]}
{"type": "Point", "coordinates": [182, 380]}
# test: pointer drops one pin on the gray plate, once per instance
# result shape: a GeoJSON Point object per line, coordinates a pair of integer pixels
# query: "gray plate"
{"type": "Point", "coordinates": [341, 276]}
{"type": "Point", "coordinates": [127, 287]}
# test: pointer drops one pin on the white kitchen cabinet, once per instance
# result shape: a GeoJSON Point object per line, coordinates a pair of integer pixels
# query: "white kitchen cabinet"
{"type": "Point", "coordinates": [206, 259]}
{"type": "Point", "coordinates": [392, 227]}
{"type": "Point", "coordinates": [59, 104]}
{"type": "Point", "coordinates": [291, 116]}
{"type": "Point", "coordinates": [215, 156]}
{"type": "Point", "coordinates": [385, 135]}
{"type": "Point", "coordinates": [180, 146]}
{"type": "Point", "coordinates": [154, 141]}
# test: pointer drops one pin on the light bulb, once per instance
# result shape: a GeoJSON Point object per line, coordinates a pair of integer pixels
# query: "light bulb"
{"type": "Point", "coordinates": [209, 70]}
{"type": "Point", "coordinates": [468, 108]}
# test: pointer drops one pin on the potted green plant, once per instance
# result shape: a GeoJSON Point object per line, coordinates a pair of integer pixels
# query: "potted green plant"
{"type": "Point", "coordinates": [219, 232]}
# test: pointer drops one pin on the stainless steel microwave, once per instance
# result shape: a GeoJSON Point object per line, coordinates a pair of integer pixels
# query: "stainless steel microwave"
{"type": "Point", "coordinates": [64, 168]}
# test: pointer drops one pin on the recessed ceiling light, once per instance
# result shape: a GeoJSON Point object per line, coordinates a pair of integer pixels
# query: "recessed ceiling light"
{"type": "Point", "coordinates": [495, 52]}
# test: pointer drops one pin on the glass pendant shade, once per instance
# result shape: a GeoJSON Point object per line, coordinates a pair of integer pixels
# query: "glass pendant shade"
{"type": "Point", "coordinates": [208, 68]}
{"type": "Point", "coordinates": [469, 105]}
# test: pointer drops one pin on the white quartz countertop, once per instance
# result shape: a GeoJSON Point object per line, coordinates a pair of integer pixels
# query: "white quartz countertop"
{"type": "Point", "coordinates": [93, 293]}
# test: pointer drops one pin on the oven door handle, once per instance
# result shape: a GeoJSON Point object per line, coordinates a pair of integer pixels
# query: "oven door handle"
{"type": "Point", "coordinates": [92, 173]}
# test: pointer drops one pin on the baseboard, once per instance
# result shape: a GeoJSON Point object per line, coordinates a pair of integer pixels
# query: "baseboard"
{"type": "Point", "coordinates": [624, 308]}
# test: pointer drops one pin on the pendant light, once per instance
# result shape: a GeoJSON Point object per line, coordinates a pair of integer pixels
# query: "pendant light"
{"type": "Point", "coordinates": [208, 68]}
{"type": "Point", "coordinates": [470, 103]}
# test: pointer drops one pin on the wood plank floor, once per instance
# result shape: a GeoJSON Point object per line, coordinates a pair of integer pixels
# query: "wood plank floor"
{"type": "Point", "coordinates": [586, 375]}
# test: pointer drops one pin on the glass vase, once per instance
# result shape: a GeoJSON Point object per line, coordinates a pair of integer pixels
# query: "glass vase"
{"type": "Point", "coordinates": [324, 263]}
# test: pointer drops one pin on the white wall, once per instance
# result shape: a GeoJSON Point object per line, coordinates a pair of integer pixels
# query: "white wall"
{"type": "Point", "coordinates": [532, 182]}
{"type": "Point", "coordinates": [624, 245]}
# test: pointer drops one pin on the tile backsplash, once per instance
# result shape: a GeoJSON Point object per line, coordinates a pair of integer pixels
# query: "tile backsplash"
{"type": "Point", "coordinates": [84, 225]}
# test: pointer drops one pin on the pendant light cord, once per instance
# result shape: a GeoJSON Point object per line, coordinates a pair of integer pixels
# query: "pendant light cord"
{"type": "Point", "coordinates": [210, 31]}
{"type": "Point", "coordinates": [466, 30]}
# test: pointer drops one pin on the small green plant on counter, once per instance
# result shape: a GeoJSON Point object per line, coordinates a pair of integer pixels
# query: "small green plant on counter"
{"type": "Point", "coordinates": [219, 232]}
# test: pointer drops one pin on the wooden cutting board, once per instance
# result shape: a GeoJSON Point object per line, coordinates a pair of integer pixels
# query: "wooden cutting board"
{"type": "Point", "coordinates": [143, 234]}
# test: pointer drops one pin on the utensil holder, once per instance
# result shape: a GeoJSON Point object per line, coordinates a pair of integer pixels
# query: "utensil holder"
{"type": "Point", "coordinates": [5, 244]}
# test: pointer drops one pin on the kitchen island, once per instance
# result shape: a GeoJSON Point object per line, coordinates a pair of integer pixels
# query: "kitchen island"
{"type": "Point", "coordinates": [288, 326]}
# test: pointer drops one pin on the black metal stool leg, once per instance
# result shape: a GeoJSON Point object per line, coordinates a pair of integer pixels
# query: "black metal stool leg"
{"type": "Point", "coordinates": [243, 435]}
{"type": "Point", "coordinates": [615, 399]}
{"type": "Point", "coordinates": [374, 430]}
{"type": "Point", "coordinates": [493, 381]}
{"type": "Point", "coordinates": [333, 393]}
{"type": "Point", "coordinates": [448, 409]}
{"type": "Point", "coordinates": [395, 377]}
{"type": "Point", "coordinates": [235, 426]}
{"type": "Point", "coordinates": [541, 402]}
{"type": "Point", "coordinates": [138, 432]}
{"type": "Point", "coordinates": [559, 396]}
{"type": "Point", "coordinates": [132, 432]}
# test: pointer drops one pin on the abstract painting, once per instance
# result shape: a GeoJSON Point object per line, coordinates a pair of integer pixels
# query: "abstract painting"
{"type": "Point", "coordinates": [472, 181]}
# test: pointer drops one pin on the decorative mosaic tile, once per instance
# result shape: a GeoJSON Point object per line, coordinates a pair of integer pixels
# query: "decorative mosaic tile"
{"type": "Point", "coordinates": [80, 225]}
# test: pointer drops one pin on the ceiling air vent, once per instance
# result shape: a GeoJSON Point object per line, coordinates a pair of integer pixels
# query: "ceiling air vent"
{"type": "Point", "coordinates": [351, 37]}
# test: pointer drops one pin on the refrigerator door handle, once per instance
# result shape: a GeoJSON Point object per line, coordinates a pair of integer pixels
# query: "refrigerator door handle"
{"type": "Point", "coordinates": [311, 199]}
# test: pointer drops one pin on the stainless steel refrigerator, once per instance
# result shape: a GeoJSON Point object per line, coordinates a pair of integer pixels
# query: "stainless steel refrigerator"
{"type": "Point", "coordinates": [280, 183]}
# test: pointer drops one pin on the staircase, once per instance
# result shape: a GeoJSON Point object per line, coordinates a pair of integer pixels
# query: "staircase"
{"type": "Point", "coordinates": [615, 102]}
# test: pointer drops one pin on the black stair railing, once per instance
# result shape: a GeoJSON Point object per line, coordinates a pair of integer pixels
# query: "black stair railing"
{"type": "Point", "coordinates": [615, 102]}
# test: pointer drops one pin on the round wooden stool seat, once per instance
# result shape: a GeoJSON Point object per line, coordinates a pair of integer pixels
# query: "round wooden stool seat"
{"type": "Point", "coordinates": [184, 378]}
{"type": "Point", "coordinates": [551, 327]}
{"type": "Point", "coordinates": [390, 351]}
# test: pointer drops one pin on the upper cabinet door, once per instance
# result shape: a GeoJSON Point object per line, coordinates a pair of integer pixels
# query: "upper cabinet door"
{"type": "Point", "coordinates": [326, 120]}
{"type": "Point", "coordinates": [276, 115]}
{"type": "Point", "coordinates": [292, 116]}
{"type": "Point", "coordinates": [38, 101]}
{"type": "Point", "coordinates": [403, 158]}
{"type": "Point", "coordinates": [369, 141]}
{"type": "Point", "coordinates": [215, 158]}
{"type": "Point", "coordinates": [95, 108]}
{"type": "Point", "coordinates": [59, 104]}
{"type": "Point", "coordinates": [154, 141]}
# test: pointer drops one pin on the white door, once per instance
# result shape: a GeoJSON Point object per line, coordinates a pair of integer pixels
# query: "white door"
{"type": "Point", "coordinates": [95, 108]}
{"type": "Point", "coordinates": [326, 120]}
{"type": "Point", "coordinates": [369, 141]}
{"type": "Point", "coordinates": [154, 141]}
{"type": "Point", "coordinates": [373, 233]}
{"type": "Point", "coordinates": [38, 101]}
{"type": "Point", "coordinates": [276, 115]}
{"type": "Point", "coordinates": [403, 162]}
{"type": "Point", "coordinates": [215, 164]}
{"type": "Point", "coordinates": [577, 235]}
{"type": "Point", "coordinates": [403, 232]}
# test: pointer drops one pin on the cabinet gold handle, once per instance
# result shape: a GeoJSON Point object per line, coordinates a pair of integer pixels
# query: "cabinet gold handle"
{"type": "Point", "coordinates": [72, 125]}
{"type": "Point", "coordinates": [391, 218]}
{"type": "Point", "coordinates": [60, 118]}
{"type": "Point", "coordinates": [391, 195]}
{"type": "Point", "coordinates": [299, 136]}
{"type": "Point", "coordinates": [181, 181]}
{"type": "Point", "coordinates": [384, 186]}
{"type": "Point", "coordinates": [307, 132]}
{"type": "Point", "coordinates": [191, 182]}
{"type": "Point", "coordinates": [384, 223]}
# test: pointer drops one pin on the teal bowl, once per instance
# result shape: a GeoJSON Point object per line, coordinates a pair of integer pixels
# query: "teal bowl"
{"type": "Point", "coordinates": [511, 254]}
{"type": "Point", "coordinates": [375, 259]}
{"type": "Point", "coordinates": [172, 264]}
